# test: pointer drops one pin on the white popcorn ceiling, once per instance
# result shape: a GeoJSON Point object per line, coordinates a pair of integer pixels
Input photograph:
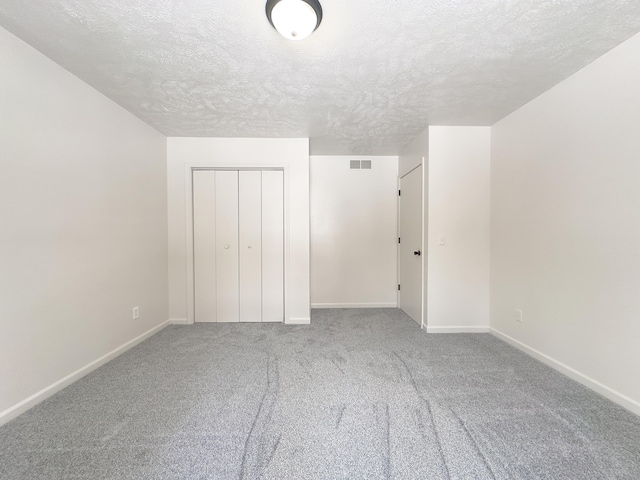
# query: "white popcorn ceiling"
{"type": "Point", "coordinates": [368, 81]}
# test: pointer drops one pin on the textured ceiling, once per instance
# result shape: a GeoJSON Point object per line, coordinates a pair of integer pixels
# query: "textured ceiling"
{"type": "Point", "coordinates": [368, 81]}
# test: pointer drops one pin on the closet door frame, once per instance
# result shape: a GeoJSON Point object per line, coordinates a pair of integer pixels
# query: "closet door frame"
{"type": "Point", "coordinates": [189, 169]}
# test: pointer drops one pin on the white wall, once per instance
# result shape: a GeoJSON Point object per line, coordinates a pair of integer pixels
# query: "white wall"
{"type": "Point", "coordinates": [456, 206]}
{"type": "Point", "coordinates": [83, 214]}
{"type": "Point", "coordinates": [239, 152]}
{"type": "Point", "coordinates": [414, 154]}
{"type": "Point", "coordinates": [566, 225]}
{"type": "Point", "coordinates": [353, 232]}
{"type": "Point", "coordinates": [458, 272]}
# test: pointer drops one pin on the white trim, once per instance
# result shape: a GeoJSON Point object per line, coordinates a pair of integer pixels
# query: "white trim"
{"type": "Point", "coordinates": [179, 321]}
{"type": "Point", "coordinates": [613, 395]}
{"type": "Point", "coordinates": [298, 321]}
{"type": "Point", "coordinates": [456, 329]}
{"type": "Point", "coordinates": [424, 210]}
{"type": "Point", "coordinates": [45, 393]}
{"type": "Point", "coordinates": [354, 305]}
{"type": "Point", "coordinates": [398, 187]}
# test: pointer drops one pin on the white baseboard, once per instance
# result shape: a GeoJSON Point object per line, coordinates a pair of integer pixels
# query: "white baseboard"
{"type": "Point", "coordinates": [45, 393]}
{"type": "Point", "coordinates": [613, 395]}
{"type": "Point", "coordinates": [179, 321]}
{"type": "Point", "coordinates": [298, 321]}
{"type": "Point", "coordinates": [354, 305]}
{"type": "Point", "coordinates": [456, 329]}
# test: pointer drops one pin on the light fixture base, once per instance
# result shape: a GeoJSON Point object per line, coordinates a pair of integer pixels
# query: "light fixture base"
{"type": "Point", "coordinates": [294, 19]}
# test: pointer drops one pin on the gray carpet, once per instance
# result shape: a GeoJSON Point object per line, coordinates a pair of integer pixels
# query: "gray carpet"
{"type": "Point", "coordinates": [359, 394]}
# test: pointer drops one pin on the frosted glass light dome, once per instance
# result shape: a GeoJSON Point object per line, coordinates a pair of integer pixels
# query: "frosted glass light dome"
{"type": "Point", "coordinates": [294, 19]}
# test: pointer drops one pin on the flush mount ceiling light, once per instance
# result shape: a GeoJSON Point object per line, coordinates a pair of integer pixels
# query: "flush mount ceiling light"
{"type": "Point", "coordinates": [294, 19]}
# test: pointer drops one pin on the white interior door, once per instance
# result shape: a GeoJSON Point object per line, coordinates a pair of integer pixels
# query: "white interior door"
{"type": "Point", "coordinates": [250, 249]}
{"type": "Point", "coordinates": [272, 246]}
{"type": "Point", "coordinates": [227, 271]}
{"type": "Point", "coordinates": [204, 245]}
{"type": "Point", "coordinates": [410, 247]}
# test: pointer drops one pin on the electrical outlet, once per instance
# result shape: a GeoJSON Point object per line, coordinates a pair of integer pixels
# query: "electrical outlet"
{"type": "Point", "coordinates": [519, 316]}
{"type": "Point", "coordinates": [441, 240]}
{"type": "Point", "coordinates": [136, 313]}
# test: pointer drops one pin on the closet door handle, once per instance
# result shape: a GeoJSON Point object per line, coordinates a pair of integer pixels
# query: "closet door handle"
{"type": "Point", "coordinates": [418, 253]}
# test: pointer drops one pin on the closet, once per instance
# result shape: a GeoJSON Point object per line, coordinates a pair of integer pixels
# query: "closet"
{"type": "Point", "coordinates": [238, 245]}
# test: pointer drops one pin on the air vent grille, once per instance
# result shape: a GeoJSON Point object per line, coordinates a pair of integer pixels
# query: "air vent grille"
{"type": "Point", "coordinates": [360, 164]}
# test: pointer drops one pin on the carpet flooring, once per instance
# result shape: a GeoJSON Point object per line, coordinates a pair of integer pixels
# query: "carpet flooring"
{"type": "Point", "coordinates": [358, 394]}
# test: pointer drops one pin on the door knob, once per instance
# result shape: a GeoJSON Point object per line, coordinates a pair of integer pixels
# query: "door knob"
{"type": "Point", "coordinates": [418, 253]}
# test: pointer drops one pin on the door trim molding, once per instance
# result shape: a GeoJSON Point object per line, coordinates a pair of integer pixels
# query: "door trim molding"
{"type": "Point", "coordinates": [190, 167]}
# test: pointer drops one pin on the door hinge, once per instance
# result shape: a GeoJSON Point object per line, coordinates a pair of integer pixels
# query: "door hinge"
{"type": "Point", "coordinates": [398, 287]}
{"type": "Point", "coordinates": [398, 239]}
{"type": "Point", "coordinates": [399, 193]}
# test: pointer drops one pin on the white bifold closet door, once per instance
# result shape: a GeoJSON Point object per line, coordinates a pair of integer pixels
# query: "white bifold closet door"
{"type": "Point", "coordinates": [226, 240]}
{"type": "Point", "coordinates": [238, 235]}
{"type": "Point", "coordinates": [250, 211]}
{"type": "Point", "coordinates": [272, 246]}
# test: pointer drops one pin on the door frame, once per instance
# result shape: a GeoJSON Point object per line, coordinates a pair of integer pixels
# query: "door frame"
{"type": "Point", "coordinates": [190, 167]}
{"type": "Point", "coordinates": [423, 241]}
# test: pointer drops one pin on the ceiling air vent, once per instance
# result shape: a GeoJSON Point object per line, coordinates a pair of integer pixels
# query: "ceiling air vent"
{"type": "Point", "coordinates": [354, 164]}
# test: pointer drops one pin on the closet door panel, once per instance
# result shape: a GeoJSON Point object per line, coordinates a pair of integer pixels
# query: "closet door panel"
{"type": "Point", "coordinates": [272, 246]}
{"type": "Point", "coordinates": [227, 278]}
{"type": "Point", "coordinates": [250, 209]}
{"type": "Point", "coordinates": [204, 245]}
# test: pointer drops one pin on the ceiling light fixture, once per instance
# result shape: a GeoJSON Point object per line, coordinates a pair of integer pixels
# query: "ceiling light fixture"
{"type": "Point", "coordinates": [294, 19]}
